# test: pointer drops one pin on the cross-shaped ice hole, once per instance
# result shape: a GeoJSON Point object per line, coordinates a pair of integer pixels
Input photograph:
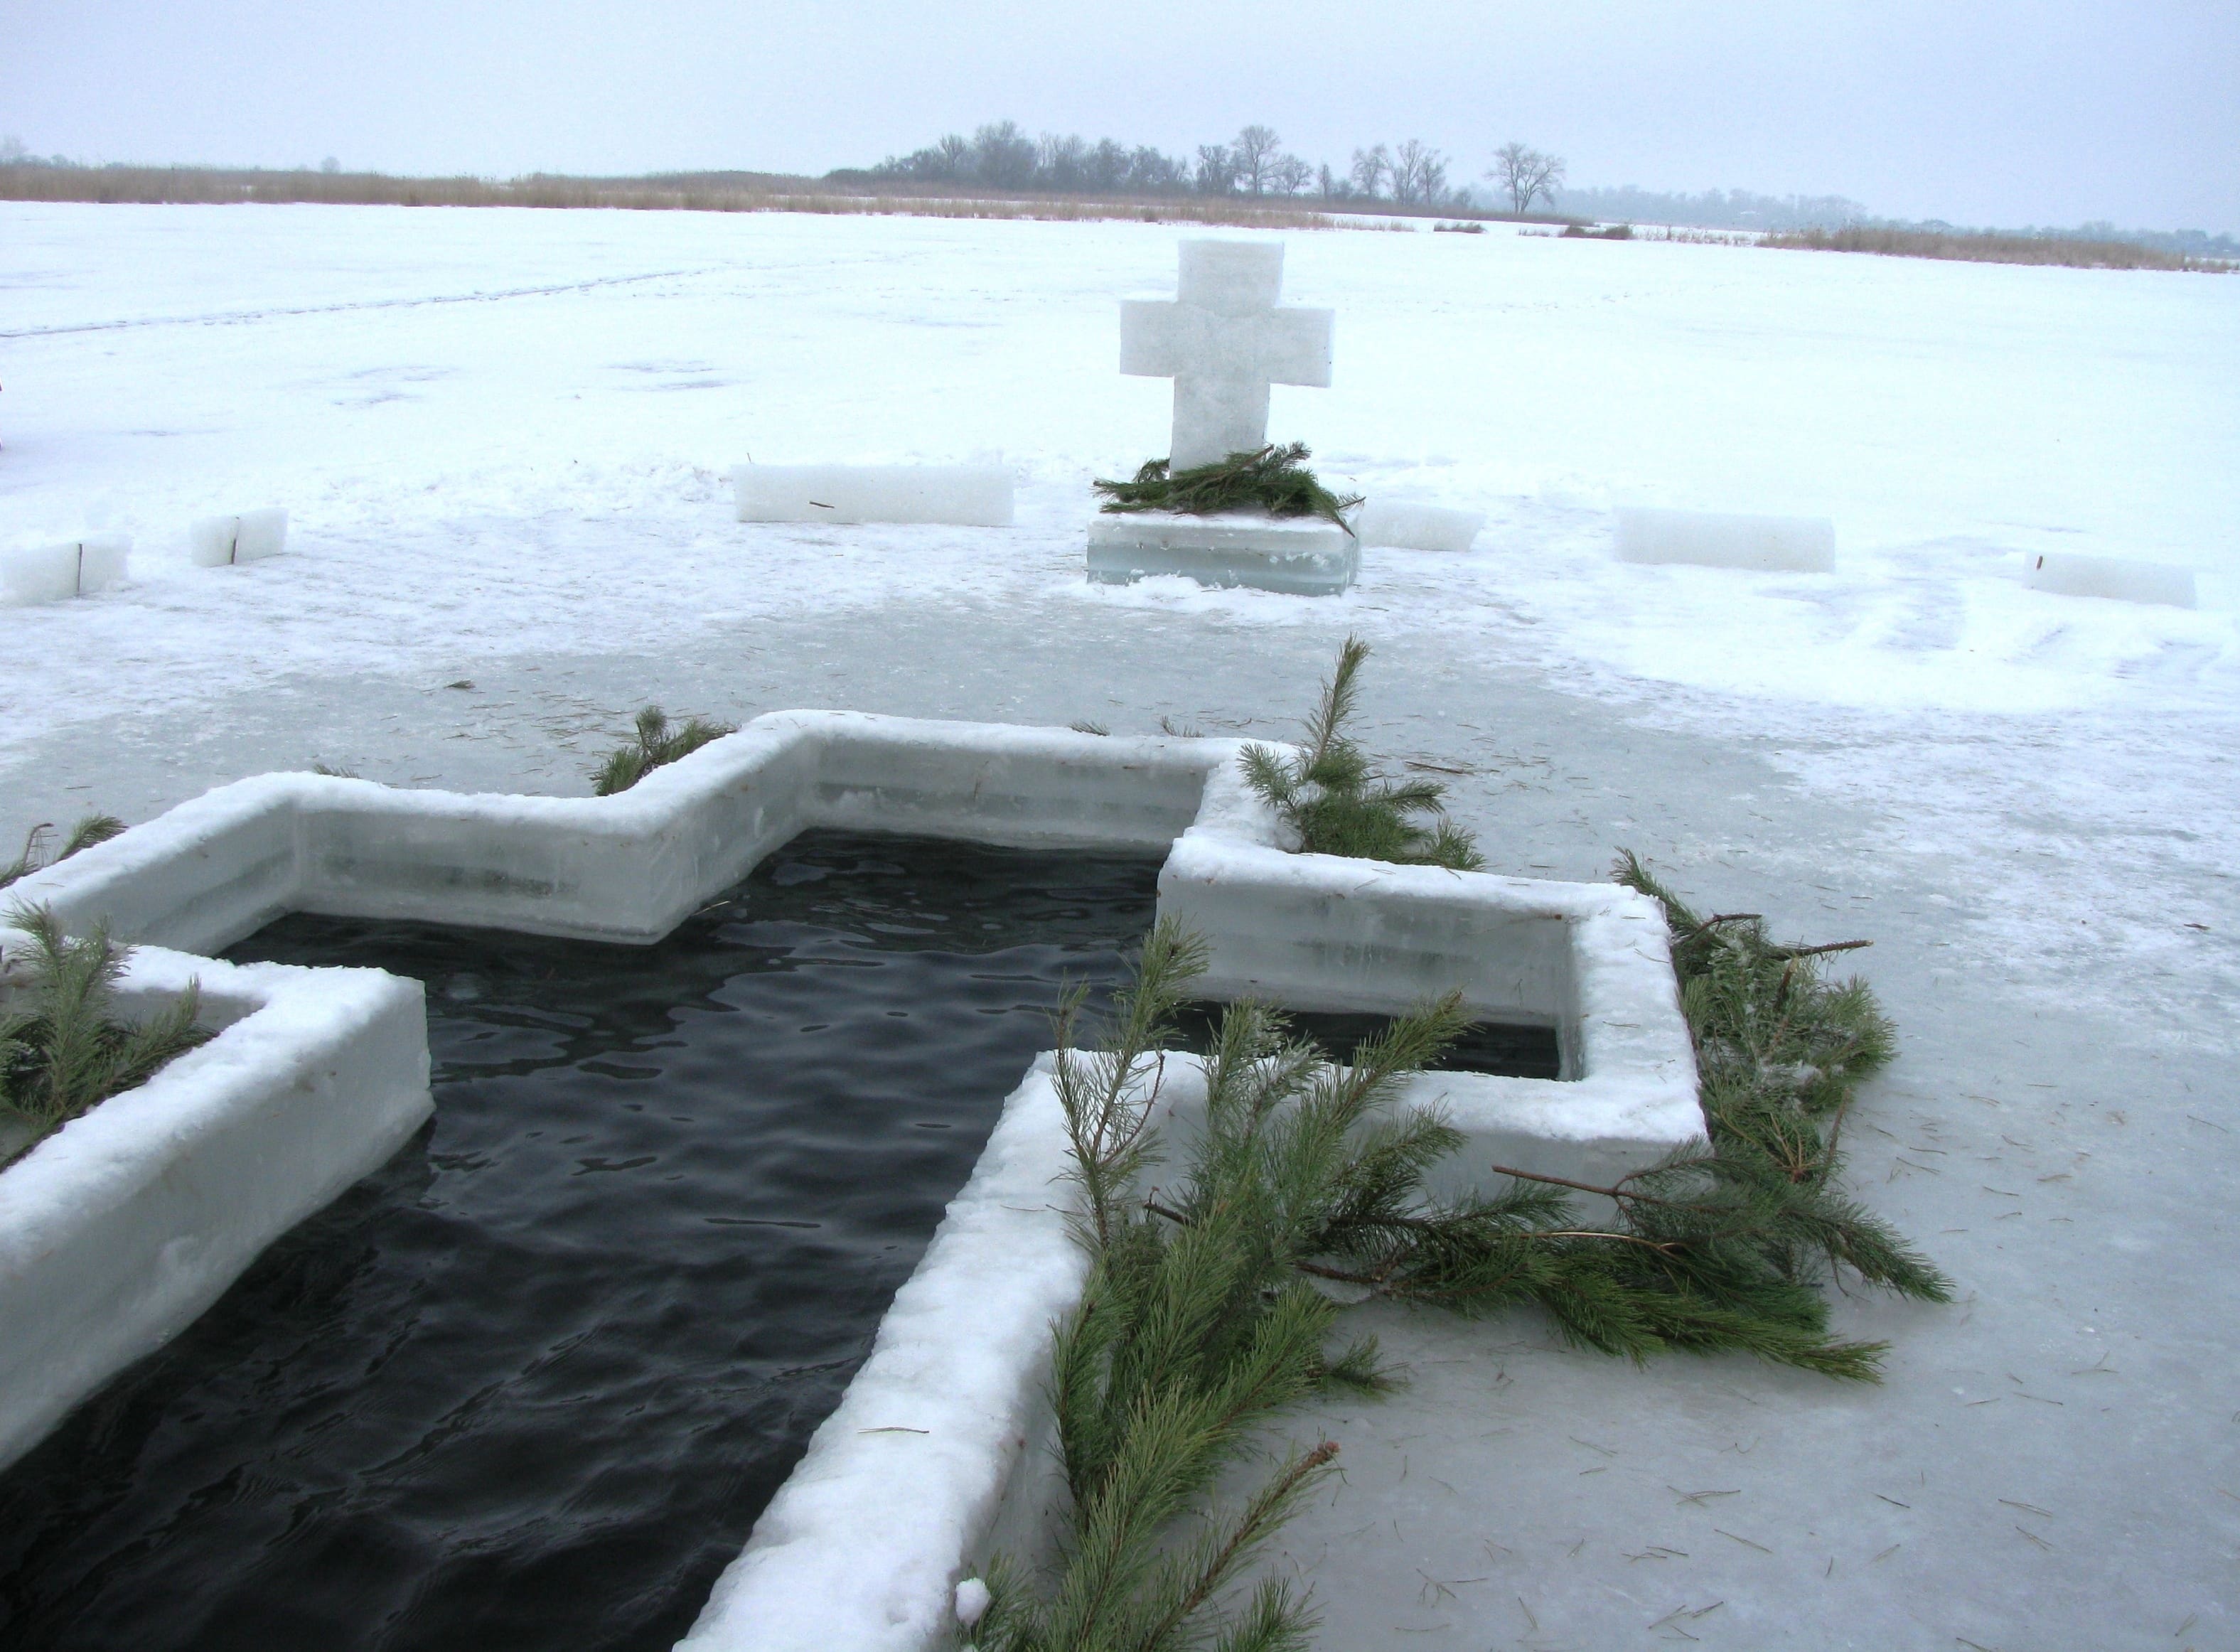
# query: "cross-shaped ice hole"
{"type": "Point", "coordinates": [1223, 341]}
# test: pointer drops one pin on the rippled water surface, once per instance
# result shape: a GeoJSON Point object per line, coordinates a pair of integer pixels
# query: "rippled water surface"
{"type": "Point", "coordinates": [530, 1384]}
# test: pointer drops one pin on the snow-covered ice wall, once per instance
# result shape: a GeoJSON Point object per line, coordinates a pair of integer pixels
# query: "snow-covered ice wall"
{"type": "Point", "coordinates": [119, 1228]}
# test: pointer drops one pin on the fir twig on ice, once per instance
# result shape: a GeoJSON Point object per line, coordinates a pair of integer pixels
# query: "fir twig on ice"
{"type": "Point", "coordinates": [64, 1050]}
{"type": "Point", "coordinates": [1332, 795]}
{"type": "Point", "coordinates": [656, 745]}
{"type": "Point", "coordinates": [1274, 479]}
{"type": "Point", "coordinates": [94, 828]}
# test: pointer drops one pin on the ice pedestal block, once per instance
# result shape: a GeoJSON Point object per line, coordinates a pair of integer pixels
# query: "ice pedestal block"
{"type": "Point", "coordinates": [2068, 574]}
{"type": "Point", "coordinates": [964, 495]}
{"type": "Point", "coordinates": [216, 542]}
{"type": "Point", "coordinates": [1298, 557]}
{"type": "Point", "coordinates": [74, 568]}
{"type": "Point", "coordinates": [1721, 539]}
{"type": "Point", "coordinates": [1406, 525]}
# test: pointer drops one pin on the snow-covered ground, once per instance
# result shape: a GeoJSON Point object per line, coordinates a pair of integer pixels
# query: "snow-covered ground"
{"type": "Point", "coordinates": [503, 438]}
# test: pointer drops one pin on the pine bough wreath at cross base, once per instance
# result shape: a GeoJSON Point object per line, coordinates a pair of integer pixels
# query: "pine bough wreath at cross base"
{"type": "Point", "coordinates": [1208, 1307]}
{"type": "Point", "coordinates": [1273, 479]}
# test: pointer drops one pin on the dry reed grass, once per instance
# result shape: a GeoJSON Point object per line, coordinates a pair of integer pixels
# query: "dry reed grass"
{"type": "Point", "coordinates": [710, 192]}
{"type": "Point", "coordinates": [1990, 247]}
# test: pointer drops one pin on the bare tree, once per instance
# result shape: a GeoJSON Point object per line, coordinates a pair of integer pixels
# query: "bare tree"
{"type": "Point", "coordinates": [1004, 155]}
{"type": "Point", "coordinates": [1418, 174]}
{"type": "Point", "coordinates": [1524, 173]}
{"type": "Point", "coordinates": [1291, 175]}
{"type": "Point", "coordinates": [1106, 167]}
{"type": "Point", "coordinates": [1332, 187]}
{"type": "Point", "coordinates": [950, 158]}
{"type": "Point", "coordinates": [1155, 173]}
{"type": "Point", "coordinates": [1370, 169]}
{"type": "Point", "coordinates": [1217, 170]}
{"type": "Point", "coordinates": [1253, 157]}
{"type": "Point", "coordinates": [1062, 162]}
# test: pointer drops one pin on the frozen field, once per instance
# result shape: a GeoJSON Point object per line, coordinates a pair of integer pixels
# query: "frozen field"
{"type": "Point", "coordinates": [504, 437]}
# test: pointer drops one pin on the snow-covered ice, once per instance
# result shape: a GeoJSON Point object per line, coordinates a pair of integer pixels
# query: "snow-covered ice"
{"type": "Point", "coordinates": [503, 438]}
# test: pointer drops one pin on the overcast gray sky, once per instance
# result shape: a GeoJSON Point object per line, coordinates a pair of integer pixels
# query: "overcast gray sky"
{"type": "Point", "coordinates": [1994, 113]}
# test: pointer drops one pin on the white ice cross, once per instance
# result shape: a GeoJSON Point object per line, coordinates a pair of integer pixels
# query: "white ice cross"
{"type": "Point", "coordinates": [1223, 341]}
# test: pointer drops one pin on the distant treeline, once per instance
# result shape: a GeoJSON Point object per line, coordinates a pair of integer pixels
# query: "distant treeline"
{"type": "Point", "coordinates": [1000, 155]}
{"type": "Point", "coordinates": [1249, 179]}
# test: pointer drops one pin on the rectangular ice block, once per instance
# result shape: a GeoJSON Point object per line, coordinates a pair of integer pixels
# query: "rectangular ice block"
{"type": "Point", "coordinates": [964, 495]}
{"type": "Point", "coordinates": [1410, 526]}
{"type": "Point", "coordinates": [1721, 539]}
{"type": "Point", "coordinates": [74, 568]}
{"type": "Point", "coordinates": [1296, 555]}
{"type": "Point", "coordinates": [261, 534]}
{"type": "Point", "coordinates": [215, 542]}
{"type": "Point", "coordinates": [2067, 573]}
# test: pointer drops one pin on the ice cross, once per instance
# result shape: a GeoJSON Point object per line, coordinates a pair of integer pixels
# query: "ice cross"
{"type": "Point", "coordinates": [1223, 341]}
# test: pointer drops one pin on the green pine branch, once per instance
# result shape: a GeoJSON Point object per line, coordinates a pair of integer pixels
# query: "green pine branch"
{"type": "Point", "coordinates": [1204, 1315]}
{"type": "Point", "coordinates": [94, 828]}
{"type": "Point", "coordinates": [655, 745]}
{"type": "Point", "coordinates": [1273, 479]}
{"type": "Point", "coordinates": [62, 1049]}
{"type": "Point", "coordinates": [1332, 795]}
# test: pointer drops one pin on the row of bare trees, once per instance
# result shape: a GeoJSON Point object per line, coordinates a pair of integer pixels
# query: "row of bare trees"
{"type": "Point", "coordinates": [1254, 162]}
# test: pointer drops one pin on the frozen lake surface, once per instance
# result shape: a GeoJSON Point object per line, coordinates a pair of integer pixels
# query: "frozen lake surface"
{"type": "Point", "coordinates": [503, 440]}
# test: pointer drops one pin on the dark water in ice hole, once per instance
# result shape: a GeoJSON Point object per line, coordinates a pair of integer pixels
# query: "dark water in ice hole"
{"type": "Point", "coordinates": [531, 1383]}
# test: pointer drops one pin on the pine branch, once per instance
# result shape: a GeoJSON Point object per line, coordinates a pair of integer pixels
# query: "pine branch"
{"type": "Point", "coordinates": [656, 746]}
{"type": "Point", "coordinates": [67, 1051]}
{"type": "Point", "coordinates": [1197, 1326]}
{"type": "Point", "coordinates": [94, 828]}
{"type": "Point", "coordinates": [1273, 479]}
{"type": "Point", "coordinates": [1333, 798]}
